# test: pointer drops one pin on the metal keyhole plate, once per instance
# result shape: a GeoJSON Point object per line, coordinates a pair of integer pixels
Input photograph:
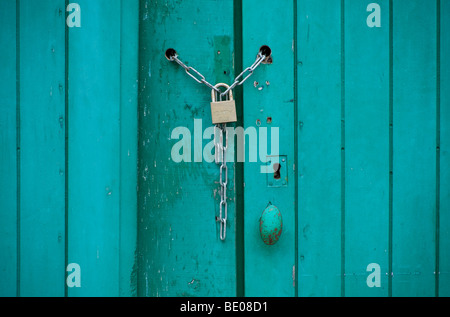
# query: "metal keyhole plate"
{"type": "Point", "coordinates": [277, 175]}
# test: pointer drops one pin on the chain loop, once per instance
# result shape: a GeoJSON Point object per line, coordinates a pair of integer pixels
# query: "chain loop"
{"type": "Point", "coordinates": [250, 71]}
{"type": "Point", "coordinates": [202, 80]}
{"type": "Point", "coordinates": [188, 70]}
{"type": "Point", "coordinates": [221, 145]}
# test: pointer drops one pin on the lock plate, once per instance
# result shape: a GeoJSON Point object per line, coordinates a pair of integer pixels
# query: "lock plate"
{"type": "Point", "coordinates": [277, 173]}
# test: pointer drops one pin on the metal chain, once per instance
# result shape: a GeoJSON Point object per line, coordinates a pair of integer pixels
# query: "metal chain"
{"type": "Point", "coordinates": [221, 157]}
{"type": "Point", "coordinates": [188, 69]}
{"type": "Point", "coordinates": [201, 79]}
{"type": "Point", "coordinates": [219, 144]}
{"type": "Point", "coordinates": [250, 70]}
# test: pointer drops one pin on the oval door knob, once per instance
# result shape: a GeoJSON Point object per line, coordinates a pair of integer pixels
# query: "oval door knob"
{"type": "Point", "coordinates": [271, 225]}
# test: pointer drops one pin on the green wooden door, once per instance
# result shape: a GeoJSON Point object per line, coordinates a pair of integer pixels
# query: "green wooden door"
{"type": "Point", "coordinates": [269, 100]}
{"type": "Point", "coordinates": [354, 98]}
{"type": "Point", "coordinates": [106, 151]}
{"type": "Point", "coordinates": [179, 249]}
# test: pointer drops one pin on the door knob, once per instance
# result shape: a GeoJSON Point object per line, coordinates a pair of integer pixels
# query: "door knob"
{"type": "Point", "coordinates": [271, 225]}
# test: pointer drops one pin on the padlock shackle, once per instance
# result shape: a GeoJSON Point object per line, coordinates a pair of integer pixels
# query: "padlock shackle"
{"type": "Point", "coordinates": [213, 92]}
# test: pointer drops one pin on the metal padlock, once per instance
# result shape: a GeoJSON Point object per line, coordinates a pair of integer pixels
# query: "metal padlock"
{"type": "Point", "coordinates": [223, 111]}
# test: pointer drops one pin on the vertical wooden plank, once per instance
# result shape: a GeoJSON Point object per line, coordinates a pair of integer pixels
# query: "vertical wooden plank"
{"type": "Point", "coordinates": [180, 252]}
{"type": "Point", "coordinates": [269, 269]}
{"type": "Point", "coordinates": [366, 148]}
{"type": "Point", "coordinates": [319, 148]}
{"type": "Point", "coordinates": [42, 148]}
{"type": "Point", "coordinates": [129, 37]}
{"type": "Point", "coordinates": [94, 148]}
{"type": "Point", "coordinates": [239, 166]}
{"type": "Point", "coordinates": [444, 194]}
{"type": "Point", "coordinates": [8, 147]}
{"type": "Point", "coordinates": [414, 136]}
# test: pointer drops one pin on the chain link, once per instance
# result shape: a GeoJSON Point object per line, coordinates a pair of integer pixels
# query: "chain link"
{"type": "Point", "coordinates": [201, 79]}
{"type": "Point", "coordinates": [188, 69]}
{"type": "Point", "coordinates": [250, 70]}
{"type": "Point", "coordinates": [221, 145]}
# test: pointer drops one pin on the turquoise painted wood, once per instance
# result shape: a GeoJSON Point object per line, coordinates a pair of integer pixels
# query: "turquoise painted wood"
{"type": "Point", "coordinates": [90, 117]}
{"type": "Point", "coordinates": [69, 107]}
{"type": "Point", "coordinates": [179, 249]}
{"type": "Point", "coordinates": [102, 147]}
{"type": "Point", "coordinates": [414, 152]}
{"type": "Point", "coordinates": [443, 155]}
{"type": "Point", "coordinates": [8, 151]}
{"type": "Point", "coordinates": [318, 124]}
{"type": "Point", "coordinates": [269, 269]}
{"type": "Point", "coordinates": [41, 111]}
{"type": "Point", "coordinates": [365, 110]}
{"type": "Point", "coordinates": [129, 35]}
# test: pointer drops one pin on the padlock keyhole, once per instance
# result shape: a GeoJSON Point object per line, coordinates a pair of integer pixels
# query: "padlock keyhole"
{"type": "Point", "coordinates": [276, 170]}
